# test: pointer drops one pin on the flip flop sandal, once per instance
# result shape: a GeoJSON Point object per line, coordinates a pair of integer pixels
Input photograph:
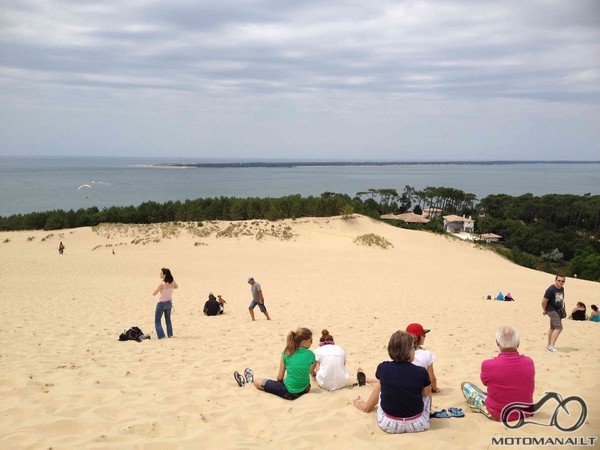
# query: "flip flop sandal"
{"type": "Point", "coordinates": [240, 379]}
{"type": "Point", "coordinates": [443, 414]}
{"type": "Point", "coordinates": [456, 412]}
{"type": "Point", "coordinates": [362, 378]}
{"type": "Point", "coordinates": [249, 375]}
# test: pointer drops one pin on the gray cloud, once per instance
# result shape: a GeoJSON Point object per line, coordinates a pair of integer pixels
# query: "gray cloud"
{"type": "Point", "coordinates": [338, 66]}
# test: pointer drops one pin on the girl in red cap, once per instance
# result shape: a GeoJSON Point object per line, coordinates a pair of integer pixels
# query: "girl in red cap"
{"type": "Point", "coordinates": [423, 358]}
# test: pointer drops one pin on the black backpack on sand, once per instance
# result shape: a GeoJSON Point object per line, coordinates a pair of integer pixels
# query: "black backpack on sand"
{"type": "Point", "coordinates": [133, 334]}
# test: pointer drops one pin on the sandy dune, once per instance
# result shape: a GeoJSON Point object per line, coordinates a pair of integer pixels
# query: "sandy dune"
{"type": "Point", "coordinates": [66, 382]}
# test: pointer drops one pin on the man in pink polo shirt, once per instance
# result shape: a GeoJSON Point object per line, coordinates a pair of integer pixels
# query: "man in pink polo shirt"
{"type": "Point", "coordinates": [509, 377]}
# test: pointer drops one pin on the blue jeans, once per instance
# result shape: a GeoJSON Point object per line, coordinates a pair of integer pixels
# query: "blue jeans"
{"type": "Point", "coordinates": [166, 308]}
{"type": "Point", "coordinates": [261, 306]}
{"type": "Point", "coordinates": [279, 389]}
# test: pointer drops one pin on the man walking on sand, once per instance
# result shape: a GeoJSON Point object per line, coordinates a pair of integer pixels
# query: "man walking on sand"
{"type": "Point", "coordinates": [257, 299]}
{"type": "Point", "coordinates": [553, 301]}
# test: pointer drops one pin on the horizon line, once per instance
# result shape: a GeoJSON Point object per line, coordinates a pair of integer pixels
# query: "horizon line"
{"type": "Point", "coordinates": [267, 160]}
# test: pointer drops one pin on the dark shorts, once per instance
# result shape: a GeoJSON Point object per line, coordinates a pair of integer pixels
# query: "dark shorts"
{"type": "Point", "coordinates": [555, 321]}
{"type": "Point", "coordinates": [261, 306]}
{"type": "Point", "coordinates": [279, 389]}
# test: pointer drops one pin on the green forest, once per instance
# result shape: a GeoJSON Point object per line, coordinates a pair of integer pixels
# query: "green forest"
{"type": "Point", "coordinates": [554, 233]}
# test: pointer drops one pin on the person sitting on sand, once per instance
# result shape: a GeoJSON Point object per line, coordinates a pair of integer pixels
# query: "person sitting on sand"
{"type": "Point", "coordinates": [212, 307]}
{"type": "Point", "coordinates": [222, 302]}
{"type": "Point", "coordinates": [165, 303]}
{"type": "Point", "coordinates": [423, 358]}
{"type": "Point", "coordinates": [296, 360]}
{"type": "Point", "coordinates": [594, 315]}
{"type": "Point", "coordinates": [403, 391]}
{"type": "Point", "coordinates": [509, 377]}
{"type": "Point", "coordinates": [61, 248]}
{"type": "Point", "coordinates": [330, 365]}
{"type": "Point", "coordinates": [579, 312]}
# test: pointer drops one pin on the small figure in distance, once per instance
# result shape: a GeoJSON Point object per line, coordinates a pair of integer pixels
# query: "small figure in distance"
{"type": "Point", "coordinates": [61, 248]}
{"type": "Point", "coordinates": [594, 315]}
{"type": "Point", "coordinates": [257, 299]}
{"type": "Point", "coordinates": [403, 390]}
{"type": "Point", "coordinates": [222, 302]}
{"type": "Point", "coordinates": [296, 360]}
{"type": "Point", "coordinates": [423, 358]}
{"type": "Point", "coordinates": [509, 377]}
{"type": "Point", "coordinates": [329, 369]}
{"type": "Point", "coordinates": [212, 307]}
{"type": "Point", "coordinates": [508, 298]}
{"type": "Point", "coordinates": [579, 312]}
{"type": "Point", "coordinates": [165, 303]}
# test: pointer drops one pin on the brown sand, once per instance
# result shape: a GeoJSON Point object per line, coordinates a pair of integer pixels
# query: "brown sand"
{"type": "Point", "coordinates": [66, 382]}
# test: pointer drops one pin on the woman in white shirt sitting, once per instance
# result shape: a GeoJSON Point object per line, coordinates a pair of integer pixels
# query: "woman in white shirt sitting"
{"type": "Point", "coordinates": [423, 358]}
{"type": "Point", "coordinates": [330, 365]}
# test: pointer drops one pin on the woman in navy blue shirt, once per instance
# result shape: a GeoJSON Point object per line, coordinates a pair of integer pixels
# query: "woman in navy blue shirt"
{"type": "Point", "coordinates": [403, 391]}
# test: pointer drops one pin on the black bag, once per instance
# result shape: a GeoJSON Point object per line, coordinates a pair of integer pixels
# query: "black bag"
{"type": "Point", "coordinates": [562, 312]}
{"type": "Point", "coordinates": [133, 334]}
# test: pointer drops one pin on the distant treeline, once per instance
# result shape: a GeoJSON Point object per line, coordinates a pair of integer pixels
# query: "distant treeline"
{"type": "Point", "coordinates": [287, 164]}
{"type": "Point", "coordinates": [550, 232]}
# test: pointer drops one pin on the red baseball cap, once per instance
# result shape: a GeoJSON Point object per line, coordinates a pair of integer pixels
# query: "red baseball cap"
{"type": "Point", "coordinates": [416, 329]}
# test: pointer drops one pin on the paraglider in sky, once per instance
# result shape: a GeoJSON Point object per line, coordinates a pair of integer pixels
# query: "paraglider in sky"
{"type": "Point", "coordinates": [84, 186]}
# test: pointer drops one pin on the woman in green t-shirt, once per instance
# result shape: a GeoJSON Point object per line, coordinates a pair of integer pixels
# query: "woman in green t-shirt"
{"type": "Point", "coordinates": [296, 360]}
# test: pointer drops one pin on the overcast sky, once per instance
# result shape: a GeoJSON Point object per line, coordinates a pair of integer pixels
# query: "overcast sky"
{"type": "Point", "coordinates": [387, 80]}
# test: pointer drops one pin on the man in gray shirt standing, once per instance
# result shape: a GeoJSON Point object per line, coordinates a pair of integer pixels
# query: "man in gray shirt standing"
{"type": "Point", "coordinates": [257, 299]}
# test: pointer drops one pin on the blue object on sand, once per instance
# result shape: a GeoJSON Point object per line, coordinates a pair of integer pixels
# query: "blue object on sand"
{"type": "Point", "coordinates": [500, 296]}
{"type": "Point", "coordinates": [456, 412]}
{"type": "Point", "coordinates": [443, 414]}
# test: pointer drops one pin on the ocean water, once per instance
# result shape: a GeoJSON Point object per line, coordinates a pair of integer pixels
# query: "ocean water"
{"type": "Point", "coordinates": [29, 184]}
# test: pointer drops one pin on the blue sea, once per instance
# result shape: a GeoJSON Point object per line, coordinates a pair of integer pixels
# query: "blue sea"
{"type": "Point", "coordinates": [30, 184]}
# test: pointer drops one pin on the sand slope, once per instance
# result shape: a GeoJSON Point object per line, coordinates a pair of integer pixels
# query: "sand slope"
{"type": "Point", "coordinates": [66, 382]}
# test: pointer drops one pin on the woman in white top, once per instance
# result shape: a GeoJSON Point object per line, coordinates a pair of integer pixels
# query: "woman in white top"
{"type": "Point", "coordinates": [165, 303]}
{"type": "Point", "coordinates": [423, 358]}
{"type": "Point", "coordinates": [330, 365]}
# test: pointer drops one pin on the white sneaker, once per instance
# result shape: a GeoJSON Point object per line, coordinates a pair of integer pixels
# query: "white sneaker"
{"type": "Point", "coordinates": [551, 349]}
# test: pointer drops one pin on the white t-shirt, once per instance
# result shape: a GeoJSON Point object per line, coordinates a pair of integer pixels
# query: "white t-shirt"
{"type": "Point", "coordinates": [423, 358]}
{"type": "Point", "coordinates": [332, 373]}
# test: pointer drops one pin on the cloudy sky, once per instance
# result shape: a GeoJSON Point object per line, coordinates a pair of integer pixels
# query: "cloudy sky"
{"type": "Point", "coordinates": [300, 79]}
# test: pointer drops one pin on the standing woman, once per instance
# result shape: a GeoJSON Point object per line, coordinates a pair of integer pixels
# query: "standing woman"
{"type": "Point", "coordinates": [165, 303]}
